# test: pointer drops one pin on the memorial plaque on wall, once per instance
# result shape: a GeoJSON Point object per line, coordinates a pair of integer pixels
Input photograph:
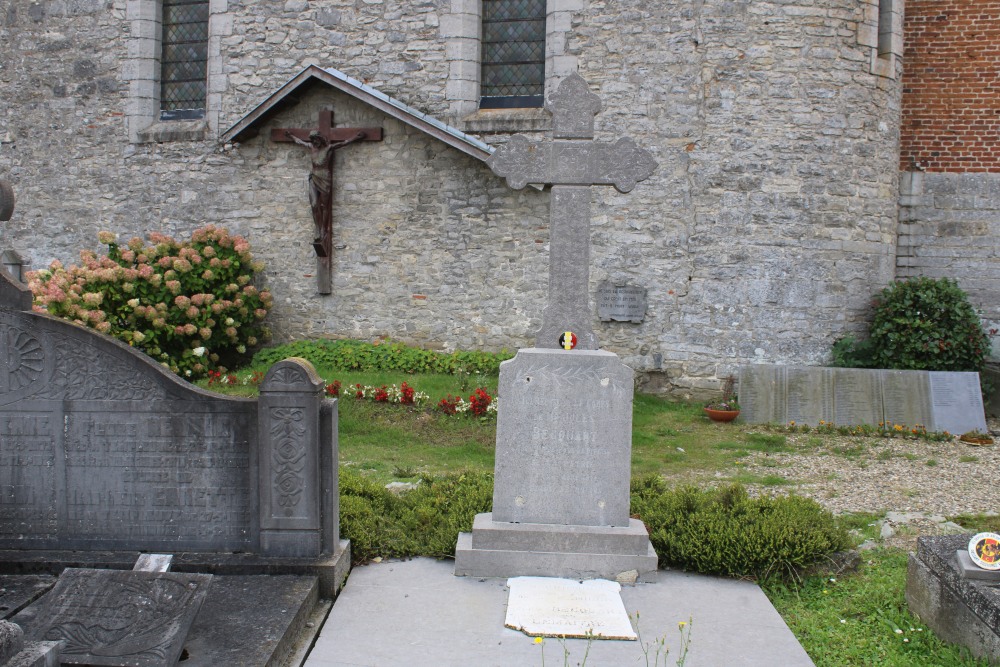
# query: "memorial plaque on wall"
{"type": "Point", "coordinates": [906, 398]}
{"type": "Point", "coordinates": [957, 403]}
{"type": "Point", "coordinates": [808, 394]}
{"type": "Point", "coordinates": [857, 397]}
{"type": "Point", "coordinates": [760, 394]}
{"type": "Point", "coordinates": [117, 617]}
{"type": "Point", "coordinates": [626, 303]}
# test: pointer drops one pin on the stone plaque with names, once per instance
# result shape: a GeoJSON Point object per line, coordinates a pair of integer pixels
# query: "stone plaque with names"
{"type": "Point", "coordinates": [117, 617]}
{"type": "Point", "coordinates": [808, 395]}
{"type": "Point", "coordinates": [938, 401]}
{"type": "Point", "coordinates": [548, 607]}
{"type": "Point", "coordinates": [625, 303]}
{"type": "Point", "coordinates": [954, 397]}
{"type": "Point", "coordinates": [857, 397]}
{"type": "Point", "coordinates": [906, 398]}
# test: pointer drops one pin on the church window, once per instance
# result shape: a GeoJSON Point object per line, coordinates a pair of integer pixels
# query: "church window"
{"type": "Point", "coordinates": [513, 54]}
{"type": "Point", "coordinates": [885, 10]}
{"type": "Point", "coordinates": [184, 59]}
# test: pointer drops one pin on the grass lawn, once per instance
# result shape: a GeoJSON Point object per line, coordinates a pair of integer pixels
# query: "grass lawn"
{"type": "Point", "coordinates": [856, 619]}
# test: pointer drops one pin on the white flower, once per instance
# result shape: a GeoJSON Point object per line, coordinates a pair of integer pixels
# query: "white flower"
{"type": "Point", "coordinates": [198, 351]}
{"type": "Point", "coordinates": [188, 372]}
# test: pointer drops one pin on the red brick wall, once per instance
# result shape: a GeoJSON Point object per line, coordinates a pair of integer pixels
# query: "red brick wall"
{"type": "Point", "coordinates": [951, 86]}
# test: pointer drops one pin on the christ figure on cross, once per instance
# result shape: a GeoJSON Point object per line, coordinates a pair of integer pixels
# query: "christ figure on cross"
{"type": "Point", "coordinates": [322, 152]}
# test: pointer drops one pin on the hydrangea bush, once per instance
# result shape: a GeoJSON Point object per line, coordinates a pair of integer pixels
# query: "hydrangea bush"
{"type": "Point", "coordinates": [190, 305]}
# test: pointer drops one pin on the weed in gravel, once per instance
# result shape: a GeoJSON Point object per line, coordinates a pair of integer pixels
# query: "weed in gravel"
{"type": "Point", "coordinates": [931, 463]}
{"type": "Point", "coordinates": [884, 455]}
{"type": "Point", "coordinates": [968, 459]}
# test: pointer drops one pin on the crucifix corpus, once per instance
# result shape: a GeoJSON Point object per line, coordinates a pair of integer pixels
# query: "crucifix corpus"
{"type": "Point", "coordinates": [571, 163]}
{"type": "Point", "coordinates": [323, 143]}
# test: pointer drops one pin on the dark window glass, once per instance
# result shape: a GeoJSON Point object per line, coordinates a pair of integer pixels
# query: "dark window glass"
{"type": "Point", "coordinates": [184, 59]}
{"type": "Point", "coordinates": [513, 58]}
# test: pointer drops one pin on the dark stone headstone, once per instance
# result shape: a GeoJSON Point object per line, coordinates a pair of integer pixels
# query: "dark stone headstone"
{"type": "Point", "coordinates": [118, 618]}
{"type": "Point", "coordinates": [625, 303]}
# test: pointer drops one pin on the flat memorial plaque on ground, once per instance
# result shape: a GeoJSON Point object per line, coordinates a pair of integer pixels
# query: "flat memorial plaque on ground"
{"type": "Point", "coordinates": [548, 607]}
{"type": "Point", "coordinates": [857, 397]}
{"type": "Point", "coordinates": [808, 395]}
{"type": "Point", "coordinates": [956, 403]}
{"type": "Point", "coordinates": [906, 398]}
{"type": "Point", "coordinates": [118, 617]}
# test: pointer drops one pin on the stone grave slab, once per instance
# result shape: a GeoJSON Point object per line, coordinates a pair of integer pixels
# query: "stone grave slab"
{"type": "Point", "coordinates": [624, 303]}
{"type": "Point", "coordinates": [906, 398]}
{"type": "Point", "coordinates": [117, 618]}
{"type": "Point", "coordinates": [760, 395]}
{"type": "Point", "coordinates": [17, 591]}
{"type": "Point", "coordinates": [549, 607]}
{"type": "Point", "coordinates": [959, 609]}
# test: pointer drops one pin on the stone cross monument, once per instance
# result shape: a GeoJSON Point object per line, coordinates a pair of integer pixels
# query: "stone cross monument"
{"type": "Point", "coordinates": [571, 163]}
{"type": "Point", "coordinates": [564, 430]}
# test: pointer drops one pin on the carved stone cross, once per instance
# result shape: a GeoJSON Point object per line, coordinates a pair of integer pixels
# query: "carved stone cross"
{"type": "Point", "coordinates": [571, 163]}
{"type": "Point", "coordinates": [322, 143]}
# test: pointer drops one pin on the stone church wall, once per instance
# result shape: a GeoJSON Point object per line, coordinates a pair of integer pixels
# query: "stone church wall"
{"type": "Point", "coordinates": [761, 237]}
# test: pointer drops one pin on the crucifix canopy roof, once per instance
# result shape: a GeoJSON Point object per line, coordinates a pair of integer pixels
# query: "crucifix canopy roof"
{"type": "Point", "coordinates": [290, 93]}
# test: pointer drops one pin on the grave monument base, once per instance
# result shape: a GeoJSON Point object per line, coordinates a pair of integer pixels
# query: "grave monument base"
{"type": "Point", "coordinates": [504, 549]}
{"type": "Point", "coordinates": [959, 608]}
{"type": "Point", "coordinates": [330, 570]}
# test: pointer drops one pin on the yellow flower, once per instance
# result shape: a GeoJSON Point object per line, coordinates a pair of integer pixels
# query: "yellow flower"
{"type": "Point", "coordinates": [539, 640]}
{"type": "Point", "coordinates": [681, 624]}
{"type": "Point", "coordinates": [898, 427]}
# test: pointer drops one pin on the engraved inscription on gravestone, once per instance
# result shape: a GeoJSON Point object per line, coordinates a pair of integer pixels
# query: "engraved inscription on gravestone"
{"type": "Point", "coordinates": [626, 303]}
{"type": "Point", "coordinates": [117, 617]}
{"type": "Point", "coordinates": [543, 606]}
{"type": "Point", "coordinates": [759, 394]}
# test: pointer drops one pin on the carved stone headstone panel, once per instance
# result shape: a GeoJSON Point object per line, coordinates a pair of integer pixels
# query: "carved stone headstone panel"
{"type": "Point", "coordinates": [290, 512]}
{"type": "Point", "coordinates": [100, 448]}
{"type": "Point", "coordinates": [953, 397]}
{"type": "Point", "coordinates": [857, 397]}
{"type": "Point", "coordinates": [625, 303]}
{"type": "Point", "coordinates": [116, 617]}
{"type": "Point", "coordinates": [808, 394]}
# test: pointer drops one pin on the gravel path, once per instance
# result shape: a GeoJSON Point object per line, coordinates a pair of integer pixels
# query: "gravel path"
{"type": "Point", "coordinates": [928, 481]}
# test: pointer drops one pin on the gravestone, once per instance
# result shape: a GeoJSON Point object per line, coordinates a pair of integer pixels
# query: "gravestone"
{"type": "Point", "coordinates": [564, 428]}
{"type": "Point", "coordinates": [960, 605]}
{"type": "Point", "coordinates": [113, 617]}
{"type": "Point", "coordinates": [936, 400]}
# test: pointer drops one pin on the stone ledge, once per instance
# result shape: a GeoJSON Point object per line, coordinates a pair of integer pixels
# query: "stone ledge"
{"type": "Point", "coordinates": [174, 130]}
{"type": "Point", "coordinates": [499, 121]}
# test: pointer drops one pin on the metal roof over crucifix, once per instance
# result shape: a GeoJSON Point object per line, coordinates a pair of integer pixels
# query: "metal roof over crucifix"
{"type": "Point", "coordinates": [289, 94]}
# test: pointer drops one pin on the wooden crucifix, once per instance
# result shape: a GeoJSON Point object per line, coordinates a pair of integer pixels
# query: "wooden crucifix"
{"type": "Point", "coordinates": [323, 142]}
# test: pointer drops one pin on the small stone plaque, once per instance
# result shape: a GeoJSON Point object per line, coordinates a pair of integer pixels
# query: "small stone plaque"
{"type": "Point", "coordinates": [626, 303]}
{"type": "Point", "coordinates": [117, 617]}
{"type": "Point", "coordinates": [547, 607]}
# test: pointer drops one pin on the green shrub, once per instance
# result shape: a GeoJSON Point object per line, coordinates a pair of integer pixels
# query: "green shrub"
{"type": "Point", "coordinates": [724, 531]}
{"type": "Point", "coordinates": [190, 305]}
{"type": "Point", "coordinates": [920, 324]}
{"type": "Point", "coordinates": [355, 355]}
{"type": "Point", "coordinates": [423, 522]}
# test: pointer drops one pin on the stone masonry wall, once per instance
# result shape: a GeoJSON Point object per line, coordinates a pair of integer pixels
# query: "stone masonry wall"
{"type": "Point", "coordinates": [761, 237]}
{"type": "Point", "coordinates": [951, 111]}
{"type": "Point", "coordinates": [948, 226]}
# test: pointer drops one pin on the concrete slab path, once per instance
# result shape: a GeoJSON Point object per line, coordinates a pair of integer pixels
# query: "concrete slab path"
{"type": "Point", "coordinates": [418, 614]}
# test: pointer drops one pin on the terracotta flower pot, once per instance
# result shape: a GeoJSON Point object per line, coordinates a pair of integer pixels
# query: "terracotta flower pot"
{"type": "Point", "coordinates": [722, 415]}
